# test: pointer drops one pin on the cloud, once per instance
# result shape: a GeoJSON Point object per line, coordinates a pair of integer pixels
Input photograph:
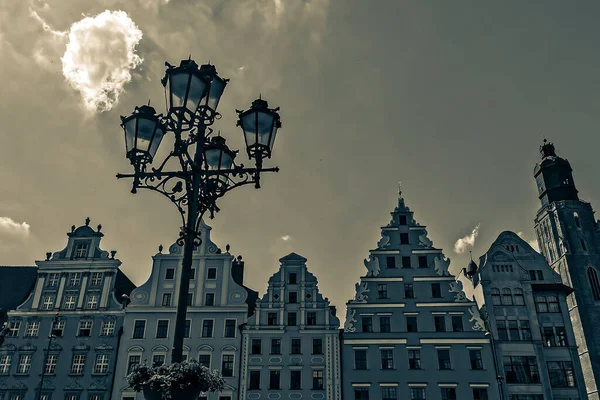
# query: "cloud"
{"type": "Point", "coordinates": [14, 229]}
{"type": "Point", "coordinates": [534, 245]}
{"type": "Point", "coordinates": [99, 57]}
{"type": "Point", "coordinates": [285, 238]}
{"type": "Point", "coordinates": [44, 24]}
{"type": "Point", "coordinates": [468, 241]}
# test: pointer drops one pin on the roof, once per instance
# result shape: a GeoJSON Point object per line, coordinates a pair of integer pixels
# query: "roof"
{"type": "Point", "coordinates": [16, 282]}
{"type": "Point", "coordinates": [123, 285]}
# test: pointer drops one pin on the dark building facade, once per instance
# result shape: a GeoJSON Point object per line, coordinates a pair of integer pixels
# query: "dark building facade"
{"type": "Point", "coordinates": [568, 236]}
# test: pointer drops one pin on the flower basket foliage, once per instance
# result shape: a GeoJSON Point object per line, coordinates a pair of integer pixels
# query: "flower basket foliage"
{"type": "Point", "coordinates": [184, 380]}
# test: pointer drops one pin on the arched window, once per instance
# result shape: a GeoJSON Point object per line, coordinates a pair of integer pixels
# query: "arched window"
{"type": "Point", "coordinates": [519, 299]}
{"type": "Point", "coordinates": [576, 218]}
{"type": "Point", "coordinates": [594, 282]}
{"type": "Point", "coordinates": [506, 297]}
{"type": "Point", "coordinates": [496, 297]}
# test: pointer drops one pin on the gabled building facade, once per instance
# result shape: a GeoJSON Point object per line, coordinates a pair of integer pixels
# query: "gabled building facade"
{"type": "Point", "coordinates": [410, 331]}
{"type": "Point", "coordinates": [523, 302]}
{"type": "Point", "coordinates": [291, 344]}
{"type": "Point", "coordinates": [79, 288]}
{"type": "Point", "coordinates": [219, 304]}
{"type": "Point", "coordinates": [568, 236]}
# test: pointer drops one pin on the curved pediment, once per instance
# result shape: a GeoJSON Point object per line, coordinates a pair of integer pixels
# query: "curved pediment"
{"type": "Point", "coordinates": [160, 347]}
{"type": "Point", "coordinates": [205, 347]}
{"type": "Point", "coordinates": [135, 348]}
{"type": "Point", "coordinates": [228, 347]}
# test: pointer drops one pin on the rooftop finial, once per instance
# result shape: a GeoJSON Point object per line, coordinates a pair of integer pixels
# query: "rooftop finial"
{"type": "Point", "coordinates": [400, 189]}
{"type": "Point", "coordinates": [547, 149]}
{"type": "Point", "coordinates": [87, 221]}
{"type": "Point", "coordinates": [471, 255]}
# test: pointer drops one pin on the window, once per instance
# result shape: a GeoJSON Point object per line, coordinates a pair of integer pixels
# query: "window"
{"type": "Point", "coordinates": [525, 330]}
{"type": "Point", "coordinates": [292, 278]}
{"type": "Point", "coordinates": [444, 359]}
{"type": "Point", "coordinates": [274, 380]}
{"type": "Point", "coordinates": [476, 360]}
{"type": "Point", "coordinates": [162, 328]}
{"type": "Point", "coordinates": [139, 329]}
{"type": "Point", "coordinates": [275, 346]}
{"type": "Point", "coordinates": [480, 394]}
{"type": "Point", "coordinates": [457, 323]}
{"type": "Point", "coordinates": [256, 346]}
{"type": "Point", "coordinates": [408, 291]}
{"type": "Point", "coordinates": [561, 374]}
{"type": "Point", "coordinates": [33, 329]}
{"type": "Point", "coordinates": [211, 273]}
{"type": "Point", "coordinates": [576, 219]}
{"type": "Point", "coordinates": [78, 364]}
{"type": "Point", "coordinates": [388, 393]}
{"type": "Point", "coordinates": [540, 274]}
{"type": "Point", "coordinates": [521, 369]}
{"type": "Point", "coordinates": [513, 330]}
{"type": "Point", "coordinates": [423, 262]}
{"type": "Point", "coordinates": [85, 328]}
{"type": "Point", "coordinates": [384, 324]}
{"type": "Point", "coordinates": [440, 323]}
{"type": "Point", "coordinates": [387, 359]}
{"type": "Point", "coordinates": [96, 279]}
{"type": "Point", "coordinates": [360, 359]}
{"type": "Point", "coordinates": [5, 360]}
{"type": "Point", "coordinates": [101, 364]}
{"type": "Point", "coordinates": [448, 393]}
{"type": "Point", "coordinates": [210, 299]}
{"type": "Point", "coordinates": [390, 262]}
{"type": "Point", "coordinates": [94, 397]}
{"type": "Point", "coordinates": [272, 319]}
{"type": "Point", "coordinates": [296, 347]}
{"type": "Point", "coordinates": [50, 368]}
{"type": "Point", "coordinates": [227, 365]}
{"type": "Point", "coordinates": [81, 250]}
{"type": "Point", "coordinates": [47, 302]}
{"type": "Point", "coordinates": [502, 329]}
{"type": "Point", "coordinates": [367, 324]}
{"type": "Point", "coordinates": [553, 304]}
{"type": "Point", "coordinates": [204, 359]}
{"type": "Point", "coordinates": [69, 301]}
{"type": "Point", "coordinates": [554, 336]}
{"type": "Point", "coordinates": [382, 291]}
{"type": "Point", "coordinates": [24, 364]}
{"type": "Point", "coordinates": [187, 330]}
{"type": "Point", "coordinates": [170, 273]}
{"type": "Point", "coordinates": [207, 328]}
{"type": "Point", "coordinates": [506, 297]}
{"type": "Point", "coordinates": [92, 301]}
{"type": "Point", "coordinates": [192, 273]}
{"type": "Point", "coordinates": [532, 276]}
{"type": "Point", "coordinates": [402, 220]}
{"type": "Point", "coordinates": [133, 361]}
{"type": "Point", "coordinates": [58, 328]}
{"type": "Point", "coordinates": [53, 279]}
{"type": "Point", "coordinates": [541, 304]}
{"type": "Point", "coordinates": [417, 394]}
{"type": "Point", "coordinates": [496, 297]}
{"type": "Point", "coordinates": [14, 327]}
{"type": "Point", "coordinates": [404, 238]}
{"type": "Point", "coordinates": [414, 359]}
{"type": "Point", "coordinates": [411, 324]}
{"type": "Point", "coordinates": [158, 360]}
{"type": "Point", "coordinates": [317, 346]}
{"type": "Point", "coordinates": [230, 328]}
{"type": "Point", "coordinates": [291, 319]}
{"type": "Point", "coordinates": [518, 297]}
{"type": "Point", "coordinates": [295, 380]}
{"type": "Point", "coordinates": [406, 262]}
{"type": "Point", "coordinates": [317, 378]}
{"type": "Point", "coordinates": [254, 380]}
{"type": "Point", "coordinates": [74, 278]}
{"type": "Point", "coordinates": [15, 397]}
{"type": "Point", "coordinates": [293, 297]}
{"type": "Point", "coordinates": [190, 299]}
{"type": "Point", "coordinates": [311, 318]}
{"type": "Point", "coordinates": [436, 290]}
{"type": "Point", "coordinates": [594, 282]}
{"type": "Point", "coordinates": [361, 393]}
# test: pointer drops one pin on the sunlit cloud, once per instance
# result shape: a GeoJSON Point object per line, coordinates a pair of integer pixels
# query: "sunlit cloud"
{"type": "Point", "coordinates": [463, 243]}
{"type": "Point", "coordinates": [34, 14]}
{"type": "Point", "coordinates": [99, 57]}
{"type": "Point", "coordinates": [14, 229]}
{"type": "Point", "coordinates": [285, 238]}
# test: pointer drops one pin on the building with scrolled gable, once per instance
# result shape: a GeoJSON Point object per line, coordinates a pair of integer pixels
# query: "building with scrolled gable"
{"type": "Point", "coordinates": [80, 288]}
{"type": "Point", "coordinates": [219, 304]}
{"type": "Point", "coordinates": [290, 345]}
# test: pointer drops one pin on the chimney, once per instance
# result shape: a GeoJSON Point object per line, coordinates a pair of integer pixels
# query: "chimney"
{"type": "Point", "coordinates": [237, 271]}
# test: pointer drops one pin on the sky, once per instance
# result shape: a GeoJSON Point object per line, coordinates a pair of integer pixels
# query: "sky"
{"type": "Point", "coordinates": [452, 99]}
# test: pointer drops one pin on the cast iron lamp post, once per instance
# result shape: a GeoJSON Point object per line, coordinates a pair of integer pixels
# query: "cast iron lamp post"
{"type": "Point", "coordinates": [205, 165]}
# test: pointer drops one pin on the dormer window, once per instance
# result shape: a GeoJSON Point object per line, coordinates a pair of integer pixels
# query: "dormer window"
{"type": "Point", "coordinates": [81, 250]}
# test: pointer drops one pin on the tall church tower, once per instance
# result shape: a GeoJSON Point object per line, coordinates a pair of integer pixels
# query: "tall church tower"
{"type": "Point", "coordinates": [568, 236]}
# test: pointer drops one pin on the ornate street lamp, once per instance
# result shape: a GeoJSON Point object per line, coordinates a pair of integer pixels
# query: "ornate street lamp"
{"type": "Point", "coordinates": [206, 168]}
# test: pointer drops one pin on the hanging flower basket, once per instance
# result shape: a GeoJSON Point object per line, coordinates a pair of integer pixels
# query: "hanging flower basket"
{"type": "Point", "coordinates": [183, 381]}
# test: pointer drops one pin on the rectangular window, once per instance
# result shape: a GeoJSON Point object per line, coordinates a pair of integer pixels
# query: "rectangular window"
{"type": "Point", "coordinates": [360, 359]}
{"type": "Point", "coordinates": [207, 328]}
{"type": "Point", "coordinates": [14, 327]}
{"type": "Point", "coordinates": [390, 262]}
{"type": "Point", "coordinates": [210, 299]}
{"type": "Point", "coordinates": [254, 380]}
{"type": "Point", "coordinates": [33, 329]}
{"type": "Point", "coordinates": [272, 319]}
{"type": "Point", "coordinates": [540, 275]}
{"type": "Point", "coordinates": [139, 328]}
{"type": "Point", "coordinates": [317, 377]}
{"type": "Point", "coordinates": [256, 346]}
{"type": "Point", "coordinates": [361, 393]}
{"type": "Point", "coordinates": [541, 304]}
{"type": "Point", "coordinates": [50, 368]}
{"type": "Point", "coordinates": [230, 328]}
{"type": "Point", "coordinates": [382, 291]}
{"type": "Point", "coordinates": [417, 394]}
{"type": "Point", "coordinates": [406, 262]}
{"type": "Point", "coordinates": [502, 330]}
{"type": "Point", "coordinates": [158, 360]}
{"type": "Point", "coordinates": [274, 380]}
{"type": "Point", "coordinates": [5, 360]}
{"type": "Point", "coordinates": [133, 361]}
{"type": "Point", "coordinates": [553, 306]}
{"type": "Point", "coordinates": [292, 276]}
{"type": "Point", "coordinates": [440, 323]}
{"type": "Point", "coordinates": [513, 330]}
{"type": "Point", "coordinates": [296, 347]}
{"type": "Point", "coordinates": [476, 360]}
{"type": "Point", "coordinates": [187, 329]}
{"type": "Point", "coordinates": [388, 393]}
{"type": "Point", "coordinates": [525, 330]}
{"type": "Point", "coordinates": [47, 302]}
{"type": "Point", "coordinates": [166, 299]}
{"type": "Point", "coordinates": [162, 328]}
{"type": "Point", "coordinates": [367, 324]}
{"type": "Point", "coordinates": [423, 262]}
{"type": "Point", "coordinates": [521, 369]}
{"type": "Point", "coordinates": [81, 250]}
{"type": "Point", "coordinates": [101, 364]}
{"type": "Point", "coordinates": [448, 393]}
{"type": "Point", "coordinates": [24, 364]}
{"type": "Point", "coordinates": [78, 364]}
{"type": "Point", "coordinates": [211, 273]}
{"type": "Point", "coordinates": [480, 394]}
{"type": "Point", "coordinates": [53, 279]}
{"type": "Point", "coordinates": [457, 323]}
{"type": "Point", "coordinates": [414, 359]}
{"type": "Point", "coordinates": [275, 346]}
{"type": "Point", "coordinates": [402, 220]}
{"type": "Point", "coordinates": [404, 238]}
{"type": "Point", "coordinates": [387, 359]}
{"type": "Point", "coordinates": [532, 276]}
{"type": "Point", "coordinates": [291, 319]}
{"type": "Point", "coordinates": [74, 278]}
{"type": "Point", "coordinates": [317, 347]}
{"type": "Point", "coordinates": [204, 359]}
{"type": "Point", "coordinates": [444, 359]}
{"type": "Point", "coordinates": [69, 301]}
{"type": "Point", "coordinates": [561, 336]}
{"type": "Point", "coordinates": [96, 279]}
{"type": "Point", "coordinates": [92, 301]}
{"type": "Point", "coordinates": [293, 297]}
{"type": "Point", "coordinates": [227, 365]}
{"type": "Point", "coordinates": [411, 324]}
{"type": "Point", "coordinates": [170, 273]}
{"type": "Point", "coordinates": [384, 324]}
{"type": "Point", "coordinates": [295, 380]}
{"type": "Point", "coordinates": [436, 290]}
{"type": "Point", "coordinates": [561, 374]}
{"type": "Point", "coordinates": [408, 291]}
{"type": "Point", "coordinates": [85, 328]}
{"type": "Point", "coordinates": [58, 328]}
{"type": "Point", "coordinates": [311, 318]}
